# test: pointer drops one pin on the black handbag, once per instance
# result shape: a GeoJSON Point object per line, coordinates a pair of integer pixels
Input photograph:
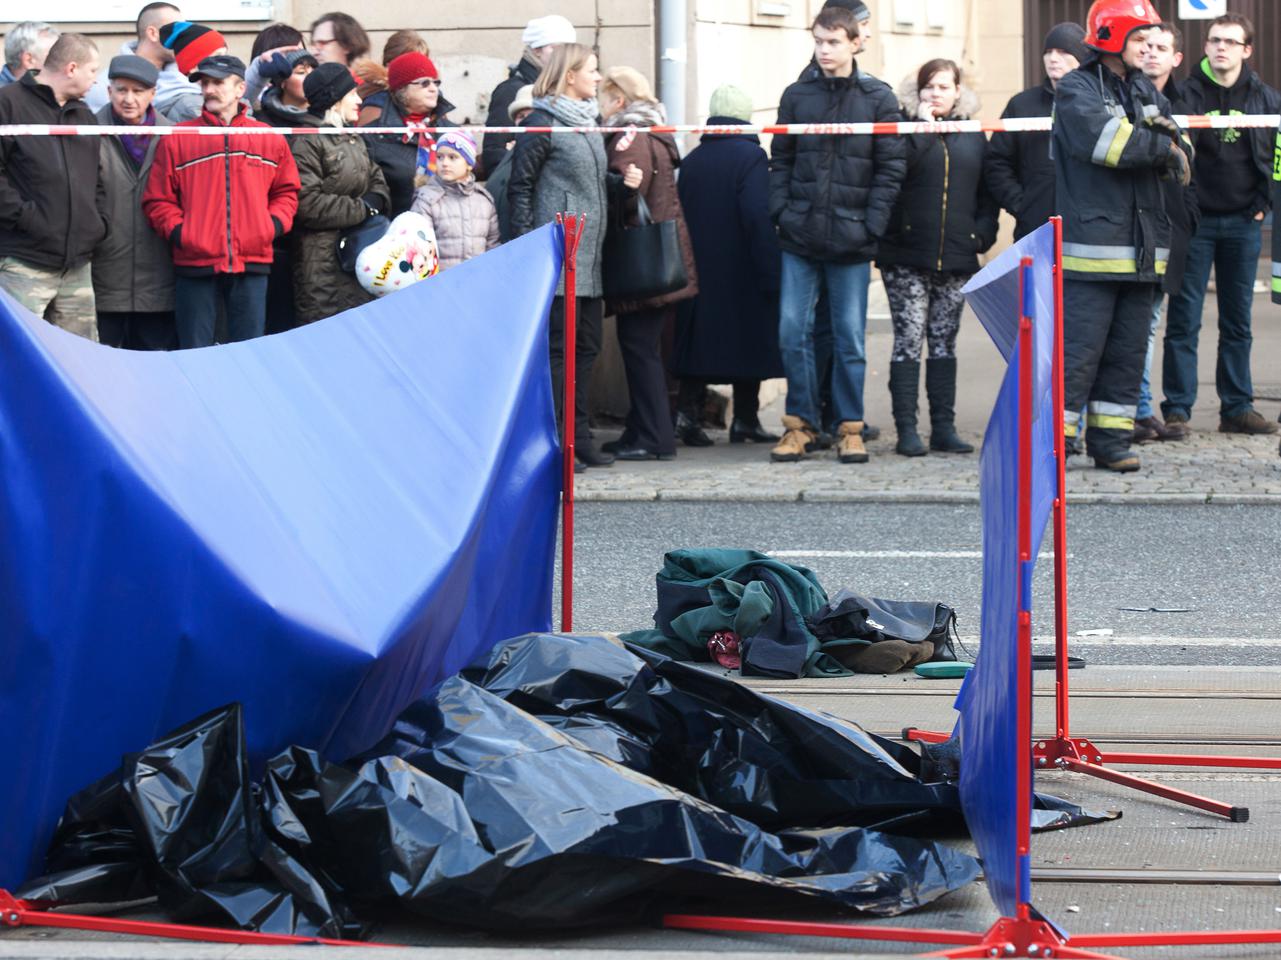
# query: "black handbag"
{"type": "Point", "coordinates": [643, 261]}
{"type": "Point", "coordinates": [354, 239]}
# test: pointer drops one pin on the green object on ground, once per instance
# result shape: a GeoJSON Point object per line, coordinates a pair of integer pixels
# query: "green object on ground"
{"type": "Point", "coordinates": [943, 671]}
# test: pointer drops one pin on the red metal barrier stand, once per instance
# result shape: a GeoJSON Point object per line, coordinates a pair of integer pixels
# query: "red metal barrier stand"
{"type": "Point", "coordinates": [20, 913]}
{"type": "Point", "coordinates": [572, 228]}
{"type": "Point", "coordinates": [1076, 753]}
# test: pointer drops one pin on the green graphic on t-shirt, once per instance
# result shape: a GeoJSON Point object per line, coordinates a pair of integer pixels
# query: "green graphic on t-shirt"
{"type": "Point", "coordinates": [1228, 134]}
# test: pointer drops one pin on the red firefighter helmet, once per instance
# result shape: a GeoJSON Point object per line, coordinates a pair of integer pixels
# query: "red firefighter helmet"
{"type": "Point", "coordinates": [1110, 22]}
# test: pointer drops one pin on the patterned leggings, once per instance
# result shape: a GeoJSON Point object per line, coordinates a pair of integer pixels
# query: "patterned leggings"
{"type": "Point", "coordinates": [925, 305]}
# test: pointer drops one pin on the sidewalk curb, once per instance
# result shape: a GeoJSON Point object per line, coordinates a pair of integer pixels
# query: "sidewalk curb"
{"type": "Point", "coordinates": [923, 497]}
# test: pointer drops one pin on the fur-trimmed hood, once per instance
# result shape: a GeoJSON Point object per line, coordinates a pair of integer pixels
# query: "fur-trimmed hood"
{"type": "Point", "coordinates": [909, 98]}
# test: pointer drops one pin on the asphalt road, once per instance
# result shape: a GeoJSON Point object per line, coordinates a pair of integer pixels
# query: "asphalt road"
{"type": "Point", "coordinates": [1218, 562]}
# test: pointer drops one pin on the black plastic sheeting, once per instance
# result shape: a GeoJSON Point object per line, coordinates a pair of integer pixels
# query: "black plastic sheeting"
{"type": "Point", "coordinates": [562, 780]}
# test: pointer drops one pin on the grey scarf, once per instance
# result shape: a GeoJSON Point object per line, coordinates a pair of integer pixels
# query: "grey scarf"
{"type": "Point", "coordinates": [572, 113]}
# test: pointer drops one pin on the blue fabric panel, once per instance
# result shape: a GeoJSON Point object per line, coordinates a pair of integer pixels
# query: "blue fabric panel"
{"type": "Point", "coordinates": [319, 524]}
{"type": "Point", "coordinates": [987, 727]}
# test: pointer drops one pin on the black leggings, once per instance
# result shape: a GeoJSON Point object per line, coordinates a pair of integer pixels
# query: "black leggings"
{"type": "Point", "coordinates": [587, 346]}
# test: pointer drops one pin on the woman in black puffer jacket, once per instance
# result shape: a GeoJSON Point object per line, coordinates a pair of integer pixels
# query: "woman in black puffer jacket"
{"type": "Point", "coordinates": [943, 219]}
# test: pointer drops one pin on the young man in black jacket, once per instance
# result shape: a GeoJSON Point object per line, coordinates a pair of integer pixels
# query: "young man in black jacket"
{"type": "Point", "coordinates": [1230, 236]}
{"type": "Point", "coordinates": [830, 199]}
{"type": "Point", "coordinates": [52, 201]}
{"type": "Point", "coordinates": [1020, 173]}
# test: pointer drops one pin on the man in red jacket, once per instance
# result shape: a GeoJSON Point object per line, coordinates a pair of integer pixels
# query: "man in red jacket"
{"type": "Point", "coordinates": [220, 201]}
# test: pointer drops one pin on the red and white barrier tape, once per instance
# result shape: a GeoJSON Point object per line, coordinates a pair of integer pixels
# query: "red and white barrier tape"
{"type": "Point", "coordinates": [1009, 125]}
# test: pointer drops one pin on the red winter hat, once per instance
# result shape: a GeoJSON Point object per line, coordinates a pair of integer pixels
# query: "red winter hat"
{"type": "Point", "coordinates": [408, 67]}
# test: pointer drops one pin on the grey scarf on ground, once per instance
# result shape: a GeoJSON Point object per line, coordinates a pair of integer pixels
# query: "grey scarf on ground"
{"type": "Point", "coordinates": [573, 113]}
{"type": "Point", "coordinates": [639, 113]}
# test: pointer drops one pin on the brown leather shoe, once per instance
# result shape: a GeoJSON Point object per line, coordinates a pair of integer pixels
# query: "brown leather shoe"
{"type": "Point", "coordinates": [796, 438]}
{"type": "Point", "coordinates": [1177, 427]}
{"type": "Point", "coordinates": [1145, 430]}
{"type": "Point", "coordinates": [849, 444]}
{"type": "Point", "coordinates": [1249, 422]}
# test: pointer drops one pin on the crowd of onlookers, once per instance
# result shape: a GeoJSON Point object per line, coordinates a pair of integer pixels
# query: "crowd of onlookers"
{"type": "Point", "coordinates": [148, 242]}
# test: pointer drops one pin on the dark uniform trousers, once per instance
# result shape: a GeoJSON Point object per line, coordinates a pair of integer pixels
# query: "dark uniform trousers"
{"type": "Point", "coordinates": [1105, 340]}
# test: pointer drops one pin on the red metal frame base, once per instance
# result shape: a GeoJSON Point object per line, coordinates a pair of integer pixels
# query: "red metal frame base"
{"type": "Point", "coordinates": [20, 913]}
{"type": "Point", "coordinates": [1008, 937]}
{"type": "Point", "coordinates": [1082, 756]}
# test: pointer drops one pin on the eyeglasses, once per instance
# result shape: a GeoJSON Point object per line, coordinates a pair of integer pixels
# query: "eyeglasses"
{"type": "Point", "coordinates": [1228, 42]}
{"type": "Point", "coordinates": [425, 83]}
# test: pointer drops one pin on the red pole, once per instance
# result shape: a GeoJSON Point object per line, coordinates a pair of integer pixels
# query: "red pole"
{"type": "Point", "coordinates": [572, 225]}
{"type": "Point", "coordinates": [1060, 501]}
{"type": "Point", "coordinates": [1023, 757]}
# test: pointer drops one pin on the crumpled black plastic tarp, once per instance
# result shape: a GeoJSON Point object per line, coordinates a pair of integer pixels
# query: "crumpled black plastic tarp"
{"type": "Point", "coordinates": [561, 780]}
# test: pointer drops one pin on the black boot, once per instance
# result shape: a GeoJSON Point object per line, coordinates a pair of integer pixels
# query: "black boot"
{"type": "Point", "coordinates": [905, 377]}
{"type": "Point", "coordinates": [690, 433]}
{"type": "Point", "coordinates": [940, 388]}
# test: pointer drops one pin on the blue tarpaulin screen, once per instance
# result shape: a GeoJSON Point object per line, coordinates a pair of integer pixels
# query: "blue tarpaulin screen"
{"type": "Point", "coordinates": [988, 729]}
{"type": "Point", "coordinates": [318, 524]}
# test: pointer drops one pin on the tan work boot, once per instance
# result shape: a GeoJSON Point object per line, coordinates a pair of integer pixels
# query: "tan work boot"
{"type": "Point", "coordinates": [797, 435]}
{"type": "Point", "coordinates": [849, 445]}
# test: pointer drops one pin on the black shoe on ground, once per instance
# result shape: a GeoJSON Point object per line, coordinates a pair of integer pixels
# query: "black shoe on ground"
{"type": "Point", "coordinates": [871, 433]}
{"type": "Point", "coordinates": [821, 441]}
{"type": "Point", "coordinates": [750, 431]}
{"type": "Point", "coordinates": [590, 456]}
{"type": "Point", "coordinates": [909, 442]}
{"type": "Point", "coordinates": [622, 443]}
{"type": "Point", "coordinates": [945, 439]}
{"type": "Point", "coordinates": [1120, 462]}
{"type": "Point", "coordinates": [1072, 446]}
{"type": "Point", "coordinates": [642, 453]}
{"type": "Point", "coordinates": [579, 466]}
{"type": "Point", "coordinates": [690, 433]}
{"type": "Point", "coordinates": [1249, 422]}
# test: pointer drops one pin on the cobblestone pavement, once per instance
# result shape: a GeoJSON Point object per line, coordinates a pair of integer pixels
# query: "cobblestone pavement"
{"type": "Point", "coordinates": [1209, 467]}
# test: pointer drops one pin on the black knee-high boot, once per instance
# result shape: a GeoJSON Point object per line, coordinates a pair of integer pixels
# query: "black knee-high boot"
{"type": "Point", "coordinates": [905, 377]}
{"type": "Point", "coordinates": [940, 387]}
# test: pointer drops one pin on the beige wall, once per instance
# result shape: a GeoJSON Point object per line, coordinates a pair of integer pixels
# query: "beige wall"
{"type": "Point", "coordinates": [735, 42]}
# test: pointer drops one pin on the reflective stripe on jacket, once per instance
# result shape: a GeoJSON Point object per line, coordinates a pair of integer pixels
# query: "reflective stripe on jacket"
{"type": "Point", "coordinates": [1108, 163]}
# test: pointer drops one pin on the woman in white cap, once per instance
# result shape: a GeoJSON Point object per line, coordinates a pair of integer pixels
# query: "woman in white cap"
{"type": "Point", "coordinates": [542, 37]}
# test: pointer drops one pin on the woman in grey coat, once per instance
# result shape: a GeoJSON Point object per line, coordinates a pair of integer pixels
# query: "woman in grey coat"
{"type": "Point", "coordinates": [569, 173]}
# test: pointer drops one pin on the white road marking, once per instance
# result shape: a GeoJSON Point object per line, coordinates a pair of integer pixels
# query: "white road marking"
{"type": "Point", "coordinates": [886, 554]}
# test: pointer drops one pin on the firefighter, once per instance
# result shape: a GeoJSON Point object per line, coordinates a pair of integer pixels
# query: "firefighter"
{"type": "Point", "coordinates": [1113, 141]}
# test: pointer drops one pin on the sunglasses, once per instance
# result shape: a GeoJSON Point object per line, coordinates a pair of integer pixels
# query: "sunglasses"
{"type": "Point", "coordinates": [425, 82]}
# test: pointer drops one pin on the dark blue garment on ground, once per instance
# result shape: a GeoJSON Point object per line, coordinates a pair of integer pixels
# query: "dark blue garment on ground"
{"type": "Point", "coordinates": [318, 525]}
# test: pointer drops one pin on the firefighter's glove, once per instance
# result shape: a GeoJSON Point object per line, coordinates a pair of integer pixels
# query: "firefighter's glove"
{"type": "Point", "coordinates": [1163, 124]}
{"type": "Point", "coordinates": [1177, 166]}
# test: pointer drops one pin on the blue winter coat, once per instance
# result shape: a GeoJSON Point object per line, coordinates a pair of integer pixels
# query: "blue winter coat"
{"type": "Point", "coordinates": [730, 330]}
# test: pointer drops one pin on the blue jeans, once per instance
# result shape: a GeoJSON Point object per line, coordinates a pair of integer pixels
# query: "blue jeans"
{"type": "Point", "coordinates": [1231, 244]}
{"type": "Point", "coordinates": [846, 285]}
{"type": "Point", "coordinates": [1145, 385]}
{"type": "Point", "coordinates": [242, 295]}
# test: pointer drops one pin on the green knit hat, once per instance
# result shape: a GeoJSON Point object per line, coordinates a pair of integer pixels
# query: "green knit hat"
{"type": "Point", "coordinates": [730, 101]}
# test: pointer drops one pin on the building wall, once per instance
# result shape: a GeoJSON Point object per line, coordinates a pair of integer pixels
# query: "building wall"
{"type": "Point", "coordinates": [762, 45]}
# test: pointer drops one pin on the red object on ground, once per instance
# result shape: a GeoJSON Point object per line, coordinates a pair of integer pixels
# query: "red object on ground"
{"type": "Point", "coordinates": [725, 649]}
{"type": "Point", "coordinates": [20, 913]}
